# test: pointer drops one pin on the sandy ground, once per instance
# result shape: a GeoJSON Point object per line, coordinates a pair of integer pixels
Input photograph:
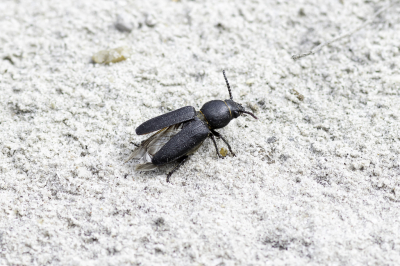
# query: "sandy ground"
{"type": "Point", "coordinates": [316, 177]}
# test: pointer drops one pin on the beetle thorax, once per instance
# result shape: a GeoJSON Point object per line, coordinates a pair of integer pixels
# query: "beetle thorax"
{"type": "Point", "coordinates": [216, 113]}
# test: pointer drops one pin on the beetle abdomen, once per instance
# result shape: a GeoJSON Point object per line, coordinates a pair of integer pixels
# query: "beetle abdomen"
{"type": "Point", "coordinates": [217, 113]}
{"type": "Point", "coordinates": [193, 133]}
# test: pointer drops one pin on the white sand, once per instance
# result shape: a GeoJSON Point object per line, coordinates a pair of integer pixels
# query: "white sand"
{"type": "Point", "coordinates": [314, 181]}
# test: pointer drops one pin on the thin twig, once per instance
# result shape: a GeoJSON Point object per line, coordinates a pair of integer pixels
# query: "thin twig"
{"type": "Point", "coordinates": [319, 47]}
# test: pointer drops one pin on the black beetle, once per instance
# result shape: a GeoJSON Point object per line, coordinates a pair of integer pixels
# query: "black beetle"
{"type": "Point", "coordinates": [181, 132]}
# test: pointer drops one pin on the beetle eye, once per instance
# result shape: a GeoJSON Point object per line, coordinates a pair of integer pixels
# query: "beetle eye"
{"type": "Point", "coordinates": [236, 113]}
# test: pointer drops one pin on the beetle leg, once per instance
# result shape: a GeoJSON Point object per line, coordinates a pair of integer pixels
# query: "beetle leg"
{"type": "Point", "coordinates": [218, 135]}
{"type": "Point", "coordinates": [181, 161]}
{"type": "Point", "coordinates": [215, 144]}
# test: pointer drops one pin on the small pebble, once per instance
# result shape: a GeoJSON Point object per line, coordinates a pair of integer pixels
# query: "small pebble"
{"type": "Point", "coordinates": [223, 152]}
{"type": "Point", "coordinates": [123, 26]}
{"type": "Point", "coordinates": [112, 55]}
{"type": "Point", "coordinates": [150, 21]}
{"type": "Point", "coordinates": [250, 81]}
{"type": "Point", "coordinates": [297, 94]}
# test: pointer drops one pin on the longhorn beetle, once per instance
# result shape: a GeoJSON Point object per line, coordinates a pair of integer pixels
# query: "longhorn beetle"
{"type": "Point", "coordinates": [181, 132]}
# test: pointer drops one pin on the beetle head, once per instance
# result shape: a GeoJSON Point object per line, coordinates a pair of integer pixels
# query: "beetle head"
{"type": "Point", "coordinates": [235, 108]}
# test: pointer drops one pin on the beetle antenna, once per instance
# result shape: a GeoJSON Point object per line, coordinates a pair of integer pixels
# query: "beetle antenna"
{"type": "Point", "coordinates": [227, 84]}
{"type": "Point", "coordinates": [250, 114]}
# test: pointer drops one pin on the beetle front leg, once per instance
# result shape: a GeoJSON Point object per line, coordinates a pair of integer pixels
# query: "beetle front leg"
{"type": "Point", "coordinates": [218, 135]}
{"type": "Point", "coordinates": [216, 147]}
{"type": "Point", "coordinates": [181, 161]}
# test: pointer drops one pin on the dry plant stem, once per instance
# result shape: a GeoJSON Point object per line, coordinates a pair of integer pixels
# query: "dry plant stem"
{"type": "Point", "coordinates": [319, 47]}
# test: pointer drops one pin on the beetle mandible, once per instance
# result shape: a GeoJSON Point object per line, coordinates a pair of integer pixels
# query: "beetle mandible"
{"type": "Point", "coordinates": [181, 132]}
